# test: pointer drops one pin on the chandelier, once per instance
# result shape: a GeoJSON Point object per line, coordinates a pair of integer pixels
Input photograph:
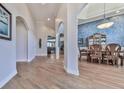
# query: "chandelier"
{"type": "Point", "coordinates": [105, 23]}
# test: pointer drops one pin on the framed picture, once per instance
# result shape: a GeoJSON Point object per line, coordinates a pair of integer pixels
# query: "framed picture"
{"type": "Point", "coordinates": [5, 23]}
{"type": "Point", "coordinates": [40, 43]}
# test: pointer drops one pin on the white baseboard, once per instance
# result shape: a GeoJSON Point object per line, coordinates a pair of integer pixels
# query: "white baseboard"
{"type": "Point", "coordinates": [41, 55]}
{"type": "Point", "coordinates": [5, 80]}
{"type": "Point", "coordinates": [21, 60]}
{"type": "Point", "coordinates": [30, 60]}
{"type": "Point", "coordinates": [25, 60]}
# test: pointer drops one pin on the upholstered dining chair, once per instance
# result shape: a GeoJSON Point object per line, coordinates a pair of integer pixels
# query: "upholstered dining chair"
{"type": "Point", "coordinates": [95, 52]}
{"type": "Point", "coordinates": [112, 53]}
{"type": "Point", "coordinates": [82, 52]}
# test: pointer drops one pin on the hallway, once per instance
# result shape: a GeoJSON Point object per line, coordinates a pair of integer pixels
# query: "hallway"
{"type": "Point", "coordinates": [26, 38]}
{"type": "Point", "coordinates": [47, 72]}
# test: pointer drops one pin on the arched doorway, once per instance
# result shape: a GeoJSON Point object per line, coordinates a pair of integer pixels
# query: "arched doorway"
{"type": "Point", "coordinates": [60, 40]}
{"type": "Point", "coordinates": [21, 40]}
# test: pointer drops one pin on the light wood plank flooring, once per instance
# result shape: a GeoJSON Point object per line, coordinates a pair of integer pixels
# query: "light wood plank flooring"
{"type": "Point", "coordinates": [46, 72]}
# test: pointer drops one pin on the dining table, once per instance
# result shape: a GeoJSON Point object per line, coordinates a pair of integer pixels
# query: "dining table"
{"type": "Point", "coordinates": [103, 52]}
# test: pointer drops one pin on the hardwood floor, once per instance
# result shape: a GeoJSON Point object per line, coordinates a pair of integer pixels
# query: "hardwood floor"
{"type": "Point", "coordinates": [44, 72]}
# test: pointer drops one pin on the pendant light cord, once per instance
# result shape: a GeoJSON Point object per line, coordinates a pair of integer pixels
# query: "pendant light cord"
{"type": "Point", "coordinates": [104, 11]}
{"type": "Point", "coordinates": [106, 23]}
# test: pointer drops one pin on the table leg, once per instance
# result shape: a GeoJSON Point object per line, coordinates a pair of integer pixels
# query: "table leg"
{"type": "Point", "coordinates": [121, 62]}
{"type": "Point", "coordinates": [88, 57]}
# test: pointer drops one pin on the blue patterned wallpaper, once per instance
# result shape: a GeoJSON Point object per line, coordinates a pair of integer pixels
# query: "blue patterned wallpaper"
{"type": "Point", "coordinates": [115, 34]}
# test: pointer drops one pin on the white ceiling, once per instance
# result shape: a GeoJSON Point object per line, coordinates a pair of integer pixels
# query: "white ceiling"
{"type": "Point", "coordinates": [42, 11]}
{"type": "Point", "coordinates": [94, 11]}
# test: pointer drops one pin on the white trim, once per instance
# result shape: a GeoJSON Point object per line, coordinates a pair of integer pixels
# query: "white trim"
{"type": "Point", "coordinates": [41, 54]}
{"type": "Point", "coordinates": [30, 60]}
{"type": "Point", "coordinates": [25, 60]}
{"type": "Point", "coordinates": [21, 60]}
{"type": "Point", "coordinates": [6, 79]}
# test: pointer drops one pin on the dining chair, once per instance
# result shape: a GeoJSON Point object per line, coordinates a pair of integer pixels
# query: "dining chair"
{"type": "Point", "coordinates": [95, 52]}
{"type": "Point", "coordinates": [82, 52]}
{"type": "Point", "coordinates": [112, 53]}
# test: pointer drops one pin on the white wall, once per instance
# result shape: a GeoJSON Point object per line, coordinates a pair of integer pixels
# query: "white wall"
{"type": "Point", "coordinates": [21, 41]}
{"type": "Point", "coordinates": [32, 45]}
{"type": "Point", "coordinates": [8, 48]}
{"type": "Point", "coordinates": [24, 12]}
{"type": "Point", "coordinates": [43, 32]}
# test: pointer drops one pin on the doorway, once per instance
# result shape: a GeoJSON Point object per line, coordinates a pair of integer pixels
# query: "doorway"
{"type": "Point", "coordinates": [21, 40]}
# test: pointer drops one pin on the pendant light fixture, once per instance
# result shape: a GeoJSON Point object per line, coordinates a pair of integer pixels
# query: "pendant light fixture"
{"type": "Point", "coordinates": [105, 23]}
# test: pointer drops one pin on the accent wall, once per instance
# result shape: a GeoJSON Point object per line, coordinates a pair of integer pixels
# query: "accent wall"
{"type": "Point", "coordinates": [115, 34]}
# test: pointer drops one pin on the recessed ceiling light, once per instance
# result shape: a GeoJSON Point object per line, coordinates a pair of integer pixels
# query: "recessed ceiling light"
{"type": "Point", "coordinates": [48, 19]}
{"type": "Point", "coordinates": [117, 11]}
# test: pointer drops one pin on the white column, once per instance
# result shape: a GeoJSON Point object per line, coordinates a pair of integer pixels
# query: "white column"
{"type": "Point", "coordinates": [57, 46]}
{"type": "Point", "coordinates": [71, 41]}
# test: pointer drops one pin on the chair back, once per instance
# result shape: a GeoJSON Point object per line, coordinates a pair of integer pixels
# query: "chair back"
{"type": "Point", "coordinates": [96, 47]}
{"type": "Point", "coordinates": [113, 48]}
